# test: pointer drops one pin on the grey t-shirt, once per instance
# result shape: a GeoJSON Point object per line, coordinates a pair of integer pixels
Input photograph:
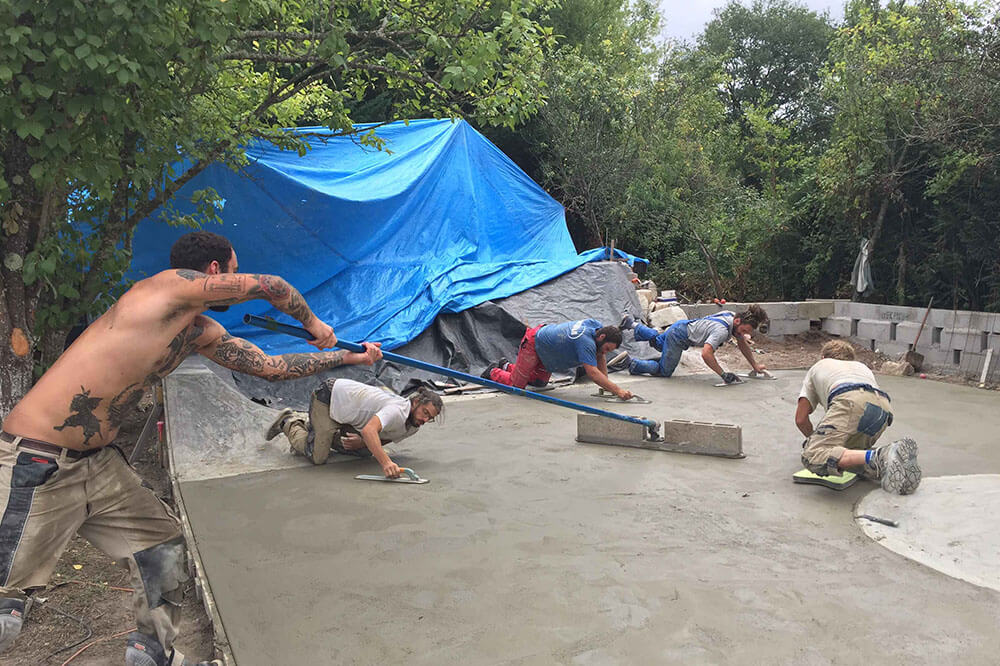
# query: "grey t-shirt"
{"type": "Point", "coordinates": [712, 330]}
{"type": "Point", "coordinates": [353, 403]}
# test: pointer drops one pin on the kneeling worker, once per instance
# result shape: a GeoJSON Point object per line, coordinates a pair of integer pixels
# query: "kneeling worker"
{"type": "Point", "coordinates": [709, 333]}
{"type": "Point", "coordinates": [857, 413]}
{"type": "Point", "coordinates": [559, 348]}
{"type": "Point", "coordinates": [356, 419]}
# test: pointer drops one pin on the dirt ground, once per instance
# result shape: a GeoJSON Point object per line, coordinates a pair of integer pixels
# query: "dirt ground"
{"type": "Point", "coordinates": [88, 601]}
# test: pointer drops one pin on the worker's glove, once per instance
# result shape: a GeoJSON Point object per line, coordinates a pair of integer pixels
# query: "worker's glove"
{"type": "Point", "coordinates": [729, 377]}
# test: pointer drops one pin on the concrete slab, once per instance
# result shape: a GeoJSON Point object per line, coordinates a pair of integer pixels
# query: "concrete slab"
{"type": "Point", "coordinates": [527, 548]}
{"type": "Point", "coordinates": [948, 524]}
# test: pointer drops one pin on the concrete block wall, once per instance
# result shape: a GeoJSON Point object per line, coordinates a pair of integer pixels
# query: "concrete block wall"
{"type": "Point", "coordinates": [787, 317]}
{"type": "Point", "coordinates": [951, 342]}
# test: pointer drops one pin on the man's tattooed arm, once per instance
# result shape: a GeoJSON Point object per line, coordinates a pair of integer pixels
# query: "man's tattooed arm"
{"type": "Point", "coordinates": [242, 356]}
{"type": "Point", "coordinates": [232, 288]}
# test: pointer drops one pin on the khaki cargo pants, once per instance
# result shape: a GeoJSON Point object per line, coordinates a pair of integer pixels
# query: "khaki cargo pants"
{"type": "Point", "coordinates": [853, 420]}
{"type": "Point", "coordinates": [316, 437]}
{"type": "Point", "coordinates": [46, 499]}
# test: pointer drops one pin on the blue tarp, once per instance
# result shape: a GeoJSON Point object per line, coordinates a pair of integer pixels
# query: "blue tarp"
{"type": "Point", "coordinates": [379, 242]}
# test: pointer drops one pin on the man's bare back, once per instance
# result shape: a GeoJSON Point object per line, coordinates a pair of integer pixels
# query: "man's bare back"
{"type": "Point", "coordinates": [81, 401]}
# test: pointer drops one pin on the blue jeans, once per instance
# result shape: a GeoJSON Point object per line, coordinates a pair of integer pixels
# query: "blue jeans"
{"type": "Point", "coordinates": [671, 344]}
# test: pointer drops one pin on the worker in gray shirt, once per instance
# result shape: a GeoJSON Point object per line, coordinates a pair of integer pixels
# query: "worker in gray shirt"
{"type": "Point", "coordinates": [709, 333]}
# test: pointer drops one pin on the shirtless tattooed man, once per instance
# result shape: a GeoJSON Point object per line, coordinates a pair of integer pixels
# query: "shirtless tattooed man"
{"type": "Point", "coordinates": [59, 477]}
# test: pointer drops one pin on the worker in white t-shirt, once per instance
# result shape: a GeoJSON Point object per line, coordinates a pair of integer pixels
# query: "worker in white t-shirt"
{"type": "Point", "coordinates": [356, 419]}
{"type": "Point", "coordinates": [857, 413]}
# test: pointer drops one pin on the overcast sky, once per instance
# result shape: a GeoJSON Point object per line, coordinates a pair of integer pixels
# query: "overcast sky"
{"type": "Point", "coordinates": [687, 18]}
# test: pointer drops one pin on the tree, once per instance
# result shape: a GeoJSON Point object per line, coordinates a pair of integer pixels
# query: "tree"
{"type": "Point", "coordinates": [772, 54]}
{"type": "Point", "coordinates": [113, 105]}
{"type": "Point", "coordinates": [886, 163]}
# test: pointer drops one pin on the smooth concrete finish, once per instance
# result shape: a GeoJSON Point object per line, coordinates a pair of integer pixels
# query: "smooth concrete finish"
{"type": "Point", "coordinates": [215, 431]}
{"type": "Point", "coordinates": [528, 548]}
{"type": "Point", "coordinates": [949, 524]}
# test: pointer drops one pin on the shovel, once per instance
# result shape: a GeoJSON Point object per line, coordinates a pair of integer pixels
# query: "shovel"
{"type": "Point", "coordinates": [913, 357]}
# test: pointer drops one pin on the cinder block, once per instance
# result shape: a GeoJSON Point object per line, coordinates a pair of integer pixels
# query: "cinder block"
{"type": "Point", "coordinates": [906, 333]}
{"type": "Point", "coordinates": [712, 439]}
{"type": "Point", "coordinates": [893, 313]}
{"type": "Point", "coordinates": [837, 326]}
{"type": "Point", "coordinates": [842, 308]}
{"type": "Point", "coordinates": [787, 327]}
{"type": "Point", "coordinates": [870, 329]}
{"type": "Point", "coordinates": [962, 338]}
{"type": "Point", "coordinates": [602, 430]}
{"type": "Point", "coordinates": [815, 310]}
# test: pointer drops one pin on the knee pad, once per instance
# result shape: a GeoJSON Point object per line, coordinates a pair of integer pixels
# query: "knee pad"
{"type": "Point", "coordinates": [11, 619]}
{"type": "Point", "coordinates": [163, 570]}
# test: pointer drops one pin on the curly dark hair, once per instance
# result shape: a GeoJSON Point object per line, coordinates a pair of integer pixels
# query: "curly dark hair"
{"type": "Point", "coordinates": [198, 249]}
{"type": "Point", "coordinates": [756, 317]}
{"type": "Point", "coordinates": [611, 334]}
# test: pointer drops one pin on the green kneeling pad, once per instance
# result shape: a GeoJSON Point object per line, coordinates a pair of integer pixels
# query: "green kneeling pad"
{"type": "Point", "coordinates": [845, 480]}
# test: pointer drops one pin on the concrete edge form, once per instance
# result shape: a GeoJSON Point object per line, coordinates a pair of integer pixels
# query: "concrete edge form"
{"type": "Point", "coordinates": [203, 589]}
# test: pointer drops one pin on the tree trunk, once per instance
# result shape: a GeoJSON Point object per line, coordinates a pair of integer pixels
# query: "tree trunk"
{"type": "Point", "coordinates": [901, 275]}
{"type": "Point", "coordinates": [710, 263]}
{"type": "Point", "coordinates": [21, 215]}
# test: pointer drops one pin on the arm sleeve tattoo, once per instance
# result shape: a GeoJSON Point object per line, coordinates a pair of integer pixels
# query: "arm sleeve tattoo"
{"type": "Point", "coordinates": [242, 356]}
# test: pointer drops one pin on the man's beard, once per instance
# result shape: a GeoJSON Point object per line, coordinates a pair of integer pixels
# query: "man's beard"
{"type": "Point", "coordinates": [218, 308]}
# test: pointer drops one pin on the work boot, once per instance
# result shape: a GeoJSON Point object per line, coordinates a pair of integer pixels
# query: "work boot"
{"type": "Point", "coordinates": [485, 374]}
{"type": "Point", "coordinates": [619, 362]}
{"type": "Point", "coordinates": [896, 467]}
{"type": "Point", "coordinates": [503, 363]}
{"type": "Point", "coordinates": [278, 425]}
{"type": "Point", "coordinates": [143, 650]}
{"type": "Point", "coordinates": [627, 323]}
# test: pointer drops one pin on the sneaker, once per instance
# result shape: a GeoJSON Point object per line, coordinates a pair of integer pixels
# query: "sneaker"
{"type": "Point", "coordinates": [620, 362]}
{"type": "Point", "coordinates": [277, 425]}
{"type": "Point", "coordinates": [896, 467]}
{"type": "Point", "coordinates": [503, 363]}
{"type": "Point", "coordinates": [485, 374]}
{"type": "Point", "coordinates": [627, 323]}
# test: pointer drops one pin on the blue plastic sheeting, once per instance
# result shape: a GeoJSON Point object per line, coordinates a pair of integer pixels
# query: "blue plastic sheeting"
{"type": "Point", "coordinates": [379, 242]}
{"type": "Point", "coordinates": [607, 254]}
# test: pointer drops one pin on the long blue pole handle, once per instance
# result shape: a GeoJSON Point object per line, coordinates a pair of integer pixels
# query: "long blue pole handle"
{"type": "Point", "coordinates": [299, 332]}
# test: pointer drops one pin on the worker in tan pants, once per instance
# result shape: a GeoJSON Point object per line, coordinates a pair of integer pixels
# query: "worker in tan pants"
{"type": "Point", "coordinates": [99, 497]}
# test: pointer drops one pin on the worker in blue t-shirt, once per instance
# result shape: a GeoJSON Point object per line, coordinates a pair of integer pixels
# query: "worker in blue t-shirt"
{"type": "Point", "coordinates": [559, 348]}
{"type": "Point", "coordinates": [708, 333]}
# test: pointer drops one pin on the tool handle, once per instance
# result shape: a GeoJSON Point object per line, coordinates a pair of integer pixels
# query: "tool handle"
{"type": "Point", "coordinates": [923, 321]}
{"type": "Point", "coordinates": [410, 473]}
{"type": "Point", "coordinates": [278, 327]}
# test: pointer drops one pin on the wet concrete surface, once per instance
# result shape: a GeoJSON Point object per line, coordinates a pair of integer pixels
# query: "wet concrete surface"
{"type": "Point", "coordinates": [529, 548]}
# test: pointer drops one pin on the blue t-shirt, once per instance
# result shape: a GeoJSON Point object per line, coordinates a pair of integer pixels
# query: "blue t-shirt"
{"type": "Point", "coordinates": [564, 346]}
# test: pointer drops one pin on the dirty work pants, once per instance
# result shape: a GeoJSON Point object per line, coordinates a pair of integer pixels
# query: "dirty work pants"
{"type": "Point", "coordinates": [315, 434]}
{"type": "Point", "coordinates": [45, 499]}
{"type": "Point", "coordinates": [671, 344]}
{"type": "Point", "coordinates": [853, 420]}
{"type": "Point", "coordinates": [527, 369]}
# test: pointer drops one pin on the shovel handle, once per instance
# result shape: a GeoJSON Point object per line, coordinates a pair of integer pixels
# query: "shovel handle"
{"type": "Point", "coordinates": [922, 322]}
